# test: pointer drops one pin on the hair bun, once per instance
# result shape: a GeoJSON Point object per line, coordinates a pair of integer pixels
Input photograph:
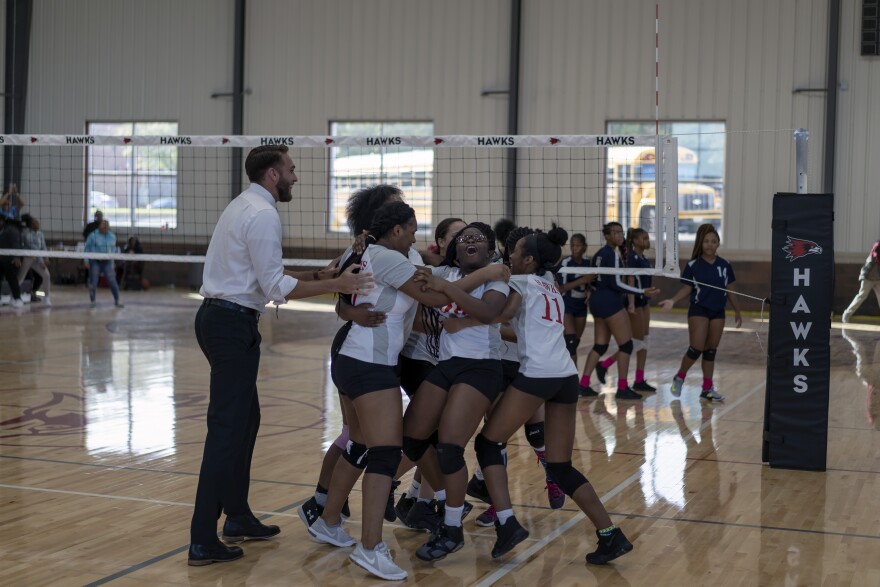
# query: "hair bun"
{"type": "Point", "coordinates": [557, 235]}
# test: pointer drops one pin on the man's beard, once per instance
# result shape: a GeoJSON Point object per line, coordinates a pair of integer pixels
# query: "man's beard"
{"type": "Point", "coordinates": [283, 189]}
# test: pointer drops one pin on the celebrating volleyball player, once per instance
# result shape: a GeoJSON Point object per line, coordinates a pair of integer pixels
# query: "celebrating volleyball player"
{"type": "Point", "coordinates": [708, 280]}
{"type": "Point", "coordinates": [607, 304]}
{"type": "Point", "coordinates": [637, 242]}
{"type": "Point", "coordinates": [547, 374]}
{"type": "Point", "coordinates": [462, 386]}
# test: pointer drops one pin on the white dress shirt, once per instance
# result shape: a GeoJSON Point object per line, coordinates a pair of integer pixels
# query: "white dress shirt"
{"type": "Point", "coordinates": [243, 264]}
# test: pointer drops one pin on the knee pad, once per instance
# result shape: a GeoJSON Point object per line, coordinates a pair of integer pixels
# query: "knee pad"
{"type": "Point", "coordinates": [535, 435]}
{"type": "Point", "coordinates": [571, 343]}
{"type": "Point", "coordinates": [626, 348]}
{"type": "Point", "coordinates": [490, 453]}
{"type": "Point", "coordinates": [451, 458]}
{"type": "Point", "coordinates": [600, 348]}
{"type": "Point", "coordinates": [709, 354]}
{"type": "Point", "coordinates": [356, 454]}
{"type": "Point", "coordinates": [414, 448]}
{"type": "Point", "coordinates": [342, 440]}
{"type": "Point", "coordinates": [383, 460]}
{"type": "Point", "coordinates": [693, 353]}
{"type": "Point", "coordinates": [566, 476]}
{"type": "Point", "coordinates": [639, 345]}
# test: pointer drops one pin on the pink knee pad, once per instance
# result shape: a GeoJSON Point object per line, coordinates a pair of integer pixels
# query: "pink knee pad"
{"type": "Point", "coordinates": [342, 440]}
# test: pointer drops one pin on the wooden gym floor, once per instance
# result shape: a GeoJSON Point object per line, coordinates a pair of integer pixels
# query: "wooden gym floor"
{"type": "Point", "coordinates": [102, 419]}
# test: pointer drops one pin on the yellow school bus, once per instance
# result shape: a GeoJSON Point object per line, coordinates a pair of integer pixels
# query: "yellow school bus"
{"type": "Point", "coordinates": [631, 196]}
{"type": "Point", "coordinates": [411, 171]}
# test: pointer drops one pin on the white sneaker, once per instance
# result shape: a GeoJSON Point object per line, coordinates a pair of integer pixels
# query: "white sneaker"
{"type": "Point", "coordinates": [378, 562]}
{"type": "Point", "coordinates": [335, 535]}
{"type": "Point", "coordinates": [47, 301]}
{"type": "Point", "coordinates": [17, 303]}
{"type": "Point", "coordinates": [711, 395]}
{"type": "Point", "coordinates": [677, 384]}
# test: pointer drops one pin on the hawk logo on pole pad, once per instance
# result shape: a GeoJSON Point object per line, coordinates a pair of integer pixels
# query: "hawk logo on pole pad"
{"type": "Point", "coordinates": [795, 248]}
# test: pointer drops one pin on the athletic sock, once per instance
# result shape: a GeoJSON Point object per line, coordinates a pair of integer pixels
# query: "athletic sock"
{"type": "Point", "coordinates": [707, 383]}
{"type": "Point", "coordinates": [453, 515]}
{"type": "Point", "coordinates": [440, 495]}
{"type": "Point", "coordinates": [640, 375]}
{"type": "Point", "coordinates": [622, 384]}
{"type": "Point", "coordinates": [608, 362]}
{"type": "Point", "coordinates": [681, 375]}
{"type": "Point", "coordinates": [504, 515]}
{"type": "Point", "coordinates": [585, 380]}
{"type": "Point", "coordinates": [413, 489]}
{"type": "Point", "coordinates": [321, 495]}
{"type": "Point", "coordinates": [607, 531]}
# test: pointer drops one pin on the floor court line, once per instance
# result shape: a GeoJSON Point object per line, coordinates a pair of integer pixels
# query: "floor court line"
{"type": "Point", "coordinates": [541, 544]}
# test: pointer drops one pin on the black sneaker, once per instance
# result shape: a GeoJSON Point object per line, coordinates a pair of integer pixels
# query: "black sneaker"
{"type": "Point", "coordinates": [445, 541]}
{"type": "Point", "coordinates": [468, 506]}
{"type": "Point", "coordinates": [423, 516]}
{"type": "Point", "coordinates": [404, 505]}
{"type": "Point", "coordinates": [610, 548]}
{"type": "Point", "coordinates": [643, 386]}
{"type": "Point", "coordinates": [477, 489]}
{"type": "Point", "coordinates": [509, 535]}
{"type": "Point", "coordinates": [627, 393]}
{"type": "Point", "coordinates": [310, 511]}
{"type": "Point", "coordinates": [600, 373]}
{"type": "Point", "coordinates": [390, 515]}
{"type": "Point", "coordinates": [586, 391]}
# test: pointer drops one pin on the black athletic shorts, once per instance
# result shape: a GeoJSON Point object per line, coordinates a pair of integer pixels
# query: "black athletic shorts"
{"type": "Point", "coordinates": [485, 375]}
{"type": "Point", "coordinates": [412, 373]}
{"type": "Point", "coordinates": [354, 378]}
{"type": "Point", "coordinates": [703, 312]}
{"type": "Point", "coordinates": [577, 307]}
{"type": "Point", "coordinates": [510, 369]}
{"type": "Point", "coordinates": [560, 390]}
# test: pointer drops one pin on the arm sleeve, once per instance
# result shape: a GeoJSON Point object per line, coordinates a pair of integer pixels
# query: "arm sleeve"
{"type": "Point", "coordinates": [622, 285]}
{"type": "Point", "coordinates": [263, 237]}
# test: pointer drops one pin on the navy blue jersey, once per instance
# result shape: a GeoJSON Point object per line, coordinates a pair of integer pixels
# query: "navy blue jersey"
{"type": "Point", "coordinates": [579, 292]}
{"type": "Point", "coordinates": [634, 261]}
{"type": "Point", "coordinates": [720, 274]}
{"type": "Point", "coordinates": [608, 257]}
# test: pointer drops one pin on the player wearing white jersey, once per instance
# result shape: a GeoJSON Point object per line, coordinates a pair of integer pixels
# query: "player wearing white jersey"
{"type": "Point", "coordinates": [547, 374]}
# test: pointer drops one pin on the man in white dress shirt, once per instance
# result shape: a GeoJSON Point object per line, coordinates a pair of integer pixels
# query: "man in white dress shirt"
{"type": "Point", "coordinates": [243, 273]}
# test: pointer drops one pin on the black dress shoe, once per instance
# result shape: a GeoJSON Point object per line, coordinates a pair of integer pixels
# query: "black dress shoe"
{"type": "Point", "coordinates": [241, 528]}
{"type": "Point", "coordinates": [205, 554]}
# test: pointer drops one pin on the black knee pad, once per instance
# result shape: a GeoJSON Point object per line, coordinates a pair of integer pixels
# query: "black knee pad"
{"type": "Point", "coordinates": [571, 343]}
{"type": "Point", "coordinates": [535, 434]}
{"type": "Point", "coordinates": [384, 460]}
{"type": "Point", "coordinates": [626, 348]}
{"type": "Point", "coordinates": [451, 458]}
{"type": "Point", "coordinates": [693, 353]}
{"type": "Point", "coordinates": [600, 348]}
{"type": "Point", "coordinates": [414, 448]}
{"type": "Point", "coordinates": [567, 477]}
{"type": "Point", "coordinates": [356, 454]}
{"type": "Point", "coordinates": [709, 354]}
{"type": "Point", "coordinates": [490, 453]}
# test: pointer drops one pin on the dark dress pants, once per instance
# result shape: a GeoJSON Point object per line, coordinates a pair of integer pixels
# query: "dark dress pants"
{"type": "Point", "coordinates": [230, 341]}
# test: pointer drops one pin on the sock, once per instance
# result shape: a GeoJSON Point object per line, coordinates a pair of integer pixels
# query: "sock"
{"type": "Point", "coordinates": [440, 495]}
{"type": "Point", "coordinates": [608, 362]}
{"type": "Point", "coordinates": [607, 531]}
{"type": "Point", "coordinates": [542, 458]}
{"type": "Point", "coordinates": [640, 375]}
{"type": "Point", "coordinates": [585, 380]}
{"type": "Point", "coordinates": [413, 489]}
{"type": "Point", "coordinates": [453, 515]}
{"type": "Point", "coordinates": [321, 495]}
{"type": "Point", "coordinates": [478, 473]}
{"type": "Point", "coordinates": [707, 383]}
{"type": "Point", "coordinates": [681, 375]}
{"type": "Point", "coordinates": [504, 515]}
{"type": "Point", "coordinates": [621, 384]}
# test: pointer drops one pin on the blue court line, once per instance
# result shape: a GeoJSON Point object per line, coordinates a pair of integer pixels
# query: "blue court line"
{"type": "Point", "coordinates": [178, 550]}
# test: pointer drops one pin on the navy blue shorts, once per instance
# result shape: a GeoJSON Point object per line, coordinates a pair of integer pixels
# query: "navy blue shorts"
{"type": "Point", "coordinates": [606, 303]}
{"type": "Point", "coordinates": [577, 307]}
{"type": "Point", "coordinates": [642, 301]}
{"type": "Point", "coordinates": [484, 375]}
{"type": "Point", "coordinates": [704, 312]}
{"type": "Point", "coordinates": [560, 390]}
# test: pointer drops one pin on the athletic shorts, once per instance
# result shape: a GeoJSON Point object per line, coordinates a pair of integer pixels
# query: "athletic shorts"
{"type": "Point", "coordinates": [412, 373]}
{"type": "Point", "coordinates": [484, 375]}
{"type": "Point", "coordinates": [605, 303]}
{"type": "Point", "coordinates": [642, 301]}
{"type": "Point", "coordinates": [355, 378]}
{"type": "Point", "coordinates": [510, 370]}
{"type": "Point", "coordinates": [577, 307]}
{"type": "Point", "coordinates": [560, 390]}
{"type": "Point", "coordinates": [703, 312]}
